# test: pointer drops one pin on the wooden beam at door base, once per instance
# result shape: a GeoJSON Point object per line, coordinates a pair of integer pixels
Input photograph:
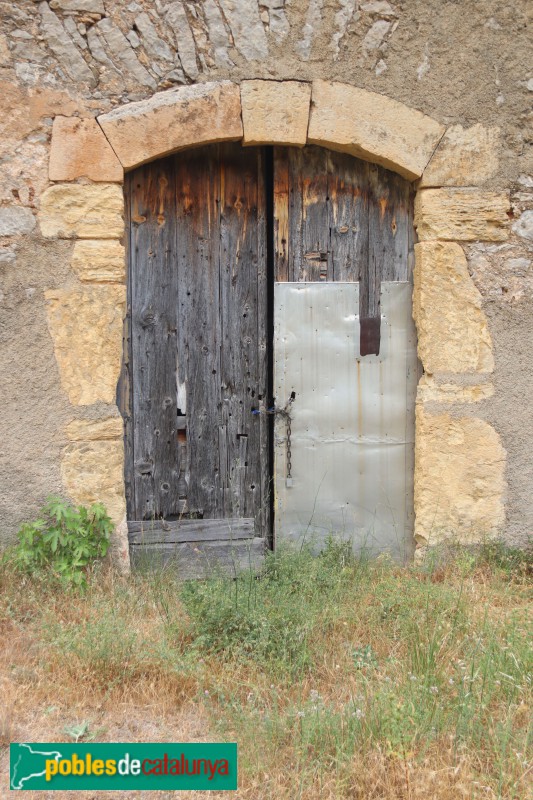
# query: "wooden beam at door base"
{"type": "Point", "coordinates": [192, 560]}
{"type": "Point", "coordinates": [189, 530]}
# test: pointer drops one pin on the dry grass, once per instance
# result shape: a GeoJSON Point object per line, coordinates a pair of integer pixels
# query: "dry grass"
{"type": "Point", "coordinates": [339, 679]}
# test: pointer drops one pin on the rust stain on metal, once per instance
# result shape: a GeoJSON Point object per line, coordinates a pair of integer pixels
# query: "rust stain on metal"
{"type": "Point", "coordinates": [370, 336]}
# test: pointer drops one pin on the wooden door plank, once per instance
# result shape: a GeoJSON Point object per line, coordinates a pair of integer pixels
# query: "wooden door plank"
{"type": "Point", "coordinates": [281, 213]}
{"type": "Point", "coordinates": [348, 222]}
{"type": "Point", "coordinates": [371, 276]}
{"type": "Point", "coordinates": [198, 353]}
{"type": "Point", "coordinates": [201, 559]}
{"type": "Point", "coordinates": [243, 376]}
{"type": "Point", "coordinates": [389, 223]}
{"type": "Point", "coordinates": [154, 331]}
{"type": "Point", "coordinates": [190, 530]}
{"type": "Point", "coordinates": [237, 309]}
{"type": "Point", "coordinates": [388, 234]}
{"type": "Point", "coordinates": [309, 215]}
{"type": "Point", "coordinates": [222, 334]}
{"type": "Point", "coordinates": [258, 398]}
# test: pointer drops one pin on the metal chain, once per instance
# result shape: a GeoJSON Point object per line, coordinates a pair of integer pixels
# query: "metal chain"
{"type": "Point", "coordinates": [286, 413]}
{"type": "Point", "coordinates": [289, 451]}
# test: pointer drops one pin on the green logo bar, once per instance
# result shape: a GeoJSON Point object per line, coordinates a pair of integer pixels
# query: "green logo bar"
{"type": "Point", "coordinates": [116, 766]}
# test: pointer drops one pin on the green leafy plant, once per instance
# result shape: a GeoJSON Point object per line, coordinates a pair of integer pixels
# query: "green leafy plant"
{"type": "Point", "coordinates": [64, 539]}
{"type": "Point", "coordinates": [364, 658]}
{"type": "Point", "coordinates": [78, 731]}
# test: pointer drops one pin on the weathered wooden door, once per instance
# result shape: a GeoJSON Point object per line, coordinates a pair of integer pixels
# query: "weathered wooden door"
{"type": "Point", "coordinates": [198, 355]}
{"type": "Point", "coordinates": [256, 275]}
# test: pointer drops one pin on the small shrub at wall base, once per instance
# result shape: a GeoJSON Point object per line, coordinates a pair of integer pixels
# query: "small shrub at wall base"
{"type": "Point", "coordinates": [64, 541]}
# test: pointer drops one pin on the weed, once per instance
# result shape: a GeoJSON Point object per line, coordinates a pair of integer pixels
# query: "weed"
{"type": "Point", "coordinates": [270, 620]}
{"type": "Point", "coordinates": [64, 541]}
{"type": "Point", "coordinates": [78, 731]}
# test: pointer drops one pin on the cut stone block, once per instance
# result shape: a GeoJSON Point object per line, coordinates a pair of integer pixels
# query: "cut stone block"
{"type": "Point", "coordinates": [87, 211]}
{"type": "Point", "coordinates": [463, 215]}
{"type": "Point", "coordinates": [88, 430]}
{"type": "Point", "coordinates": [93, 472]}
{"type": "Point", "coordinates": [99, 261]}
{"type": "Point", "coordinates": [464, 157]}
{"type": "Point", "coordinates": [275, 112]}
{"type": "Point", "coordinates": [453, 335]}
{"type": "Point", "coordinates": [429, 391]}
{"type": "Point", "coordinates": [459, 479]}
{"type": "Point", "coordinates": [86, 328]}
{"type": "Point", "coordinates": [373, 127]}
{"type": "Point", "coordinates": [173, 120]}
{"type": "Point", "coordinates": [79, 149]}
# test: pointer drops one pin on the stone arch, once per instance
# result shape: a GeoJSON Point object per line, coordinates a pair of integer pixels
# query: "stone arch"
{"type": "Point", "coordinates": [459, 482]}
{"type": "Point", "coordinates": [335, 115]}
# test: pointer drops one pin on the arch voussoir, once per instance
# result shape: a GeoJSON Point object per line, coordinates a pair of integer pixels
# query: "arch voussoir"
{"type": "Point", "coordinates": [373, 127]}
{"type": "Point", "coordinates": [174, 120]}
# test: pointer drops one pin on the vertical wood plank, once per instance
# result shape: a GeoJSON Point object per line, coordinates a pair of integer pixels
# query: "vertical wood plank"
{"type": "Point", "coordinates": [309, 215]}
{"type": "Point", "coordinates": [154, 332]}
{"type": "Point", "coordinates": [243, 378]}
{"type": "Point", "coordinates": [222, 359]}
{"type": "Point", "coordinates": [389, 223]}
{"type": "Point", "coordinates": [348, 193]}
{"type": "Point", "coordinates": [238, 314]}
{"type": "Point", "coordinates": [388, 233]}
{"type": "Point", "coordinates": [261, 424]}
{"type": "Point", "coordinates": [198, 351]}
{"type": "Point", "coordinates": [371, 277]}
{"type": "Point", "coordinates": [411, 235]}
{"type": "Point", "coordinates": [281, 213]}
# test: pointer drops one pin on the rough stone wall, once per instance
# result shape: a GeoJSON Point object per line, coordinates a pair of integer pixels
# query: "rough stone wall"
{"type": "Point", "coordinates": [466, 64]}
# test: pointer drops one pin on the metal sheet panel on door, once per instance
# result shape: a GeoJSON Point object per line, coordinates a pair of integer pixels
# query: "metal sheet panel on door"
{"type": "Point", "coordinates": [352, 419]}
